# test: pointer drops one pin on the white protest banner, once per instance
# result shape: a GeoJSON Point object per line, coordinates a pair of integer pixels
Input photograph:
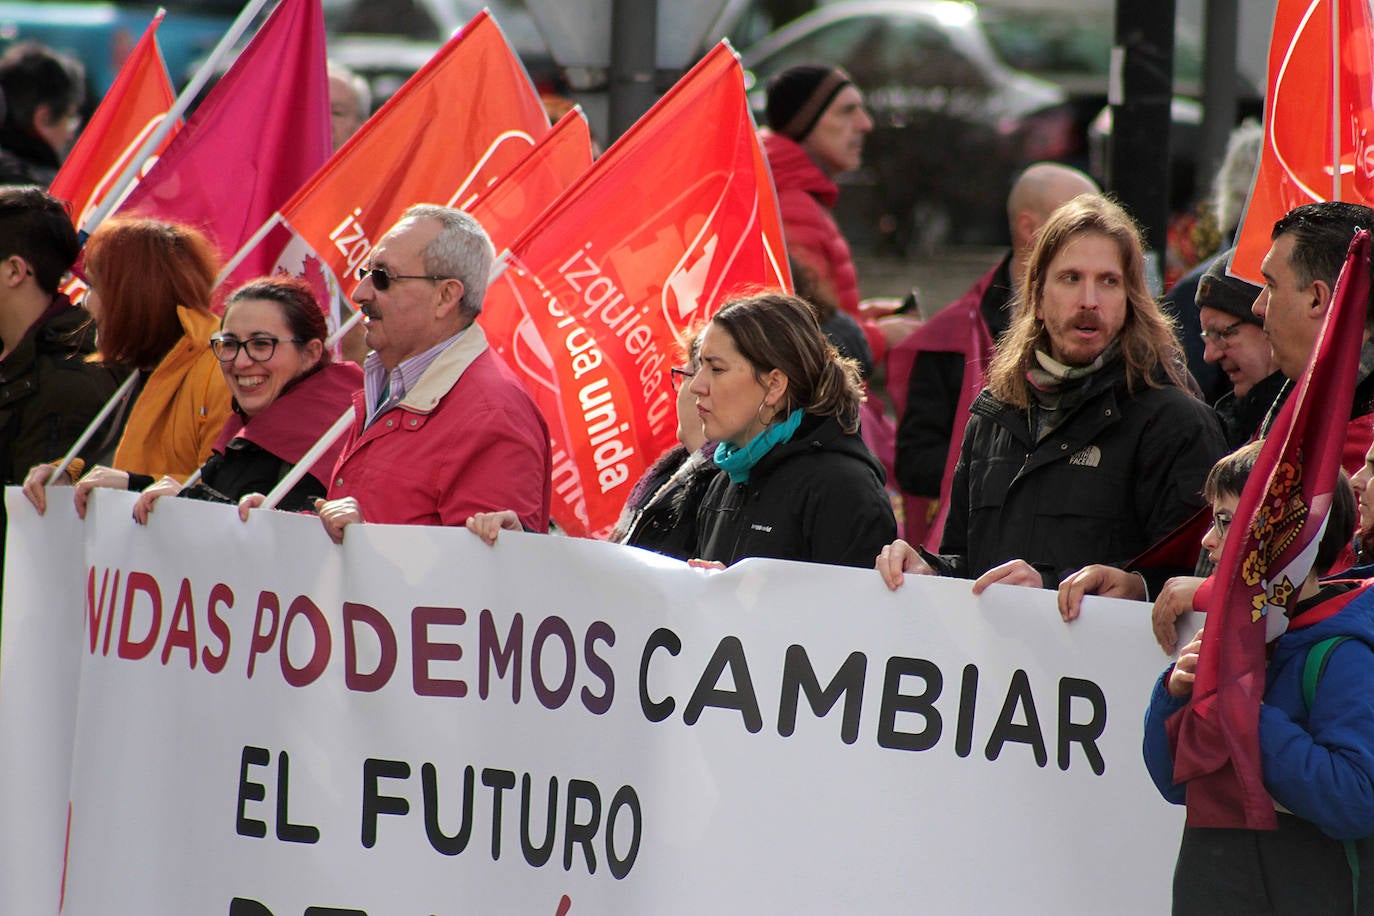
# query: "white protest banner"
{"type": "Point", "coordinates": [417, 723]}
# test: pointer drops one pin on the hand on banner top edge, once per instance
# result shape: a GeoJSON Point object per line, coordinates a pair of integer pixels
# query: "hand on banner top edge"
{"type": "Point", "coordinates": [37, 480]}
{"type": "Point", "coordinates": [250, 501]}
{"type": "Point", "coordinates": [98, 476]}
{"type": "Point", "coordinates": [1012, 572]}
{"type": "Point", "coordinates": [897, 559]}
{"type": "Point", "coordinates": [488, 525]}
{"type": "Point", "coordinates": [1097, 579]}
{"type": "Point", "coordinates": [167, 486]}
{"type": "Point", "coordinates": [1181, 679]}
{"type": "Point", "coordinates": [338, 514]}
{"type": "Point", "coordinates": [1175, 599]}
{"type": "Point", "coordinates": [705, 564]}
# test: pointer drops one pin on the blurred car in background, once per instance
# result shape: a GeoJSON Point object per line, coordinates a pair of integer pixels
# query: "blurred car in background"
{"type": "Point", "coordinates": [963, 96]}
{"type": "Point", "coordinates": [386, 41]}
{"type": "Point", "coordinates": [101, 34]}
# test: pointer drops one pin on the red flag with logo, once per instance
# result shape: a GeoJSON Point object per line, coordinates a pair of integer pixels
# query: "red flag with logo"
{"type": "Point", "coordinates": [260, 134]}
{"type": "Point", "coordinates": [677, 216]}
{"type": "Point", "coordinates": [1296, 160]}
{"type": "Point", "coordinates": [1263, 567]}
{"type": "Point", "coordinates": [464, 119]}
{"type": "Point", "coordinates": [138, 100]}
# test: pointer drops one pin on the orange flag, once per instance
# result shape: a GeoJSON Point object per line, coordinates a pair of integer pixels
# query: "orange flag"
{"type": "Point", "coordinates": [677, 216]}
{"type": "Point", "coordinates": [450, 132]}
{"type": "Point", "coordinates": [1296, 161]}
{"type": "Point", "coordinates": [137, 102]}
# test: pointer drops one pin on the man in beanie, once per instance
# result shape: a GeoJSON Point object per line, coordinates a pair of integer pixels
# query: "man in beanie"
{"type": "Point", "coordinates": [816, 128]}
{"type": "Point", "coordinates": [1234, 341]}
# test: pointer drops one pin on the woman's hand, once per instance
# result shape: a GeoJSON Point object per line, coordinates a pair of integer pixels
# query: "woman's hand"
{"type": "Point", "coordinates": [98, 476]}
{"type": "Point", "coordinates": [167, 486]}
{"type": "Point", "coordinates": [35, 485]}
{"type": "Point", "coordinates": [248, 502]}
{"type": "Point", "coordinates": [897, 559]}
{"type": "Point", "coordinates": [487, 525]}
{"type": "Point", "coordinates": [706, 564]}
{"type": "Point", "coordinates": [1185, 669]}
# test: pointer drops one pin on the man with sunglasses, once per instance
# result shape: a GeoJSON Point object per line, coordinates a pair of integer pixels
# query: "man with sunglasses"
{"type": "Point", "coordinates": [442, 429]}
{"type": "Point", "coordinates": [1233, 340]}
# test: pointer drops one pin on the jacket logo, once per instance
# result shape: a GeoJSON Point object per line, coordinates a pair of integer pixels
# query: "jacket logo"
{"type": "Point", "coordinates": [757, 527]}
{"type": "Point", "coordinates": [1089, 457]}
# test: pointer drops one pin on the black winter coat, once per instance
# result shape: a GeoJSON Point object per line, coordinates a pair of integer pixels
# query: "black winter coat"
{"type": "Point", "coordinates": [818, 497]}
{"type": "Point", "coordinates": [1120, 472]}
{"type": "Point", "coordinates": [663, 518]}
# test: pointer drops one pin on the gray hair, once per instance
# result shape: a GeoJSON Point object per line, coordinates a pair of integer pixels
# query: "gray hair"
{"type": "Point", "coordinates": [462, 249]}
{"type": "Point", "coordinates": [1232, 184]}
{"type": "Point", "coordinates": [336, 70]}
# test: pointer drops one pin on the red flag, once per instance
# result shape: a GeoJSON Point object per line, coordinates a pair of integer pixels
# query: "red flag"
{"type": "Point", "coordinates": [137, 102]}
{"type": "Point", "coordinates": [258, 136]}
{"type": "Point", "coordinates": [1263, 567]}
{"type": "Point", "coordinates": [450, 132]}
{"type": "Point", "coordinates": [1296, 158]}
{"type": "Point", "coordinates": [676, 216]}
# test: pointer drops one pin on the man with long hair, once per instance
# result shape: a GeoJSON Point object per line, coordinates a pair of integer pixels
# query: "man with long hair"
{"type": "Point", "coordinates": [1087, 445]}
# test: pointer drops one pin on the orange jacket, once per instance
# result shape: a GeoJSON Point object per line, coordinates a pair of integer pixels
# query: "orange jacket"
{"type": "Point", "coordinates": [181, 409]}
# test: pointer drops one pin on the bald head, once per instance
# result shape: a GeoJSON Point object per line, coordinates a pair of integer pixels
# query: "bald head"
{"type": "Point", "coordinates": [1041, 189]}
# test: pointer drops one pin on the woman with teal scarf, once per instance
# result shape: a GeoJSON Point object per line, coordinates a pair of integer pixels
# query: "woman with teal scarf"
{"type": "Point", "coordinates": [796, 481]}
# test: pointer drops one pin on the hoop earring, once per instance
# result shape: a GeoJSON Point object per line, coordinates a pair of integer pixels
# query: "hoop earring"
{"type": "Point", "coordinates": [759, 413]}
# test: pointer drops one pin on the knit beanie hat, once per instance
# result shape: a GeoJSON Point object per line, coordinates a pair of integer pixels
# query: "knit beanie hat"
{"type": "Point", "coordinates": [798, 96]}
{"type": "Point", "coordinates": [1232, 295]}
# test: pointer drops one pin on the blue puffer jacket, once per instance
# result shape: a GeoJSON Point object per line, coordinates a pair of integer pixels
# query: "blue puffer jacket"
{"type": "Point", "coordinates": [1318, 765]}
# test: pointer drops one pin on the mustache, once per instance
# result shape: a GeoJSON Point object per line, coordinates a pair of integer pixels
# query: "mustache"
{"type": "Point", "coordinates": [370, 311]}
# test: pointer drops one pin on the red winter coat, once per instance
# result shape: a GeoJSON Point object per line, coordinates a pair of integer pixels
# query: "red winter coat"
{"type": "Point", "coordinates": [467, 438]}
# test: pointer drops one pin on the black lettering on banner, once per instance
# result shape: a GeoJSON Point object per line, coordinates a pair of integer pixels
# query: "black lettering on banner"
{"type": "Point", "coordinates": [729, 653]}
{"type": "Point", "coordinates": [894, 701]}
{"type": "Point", "coordinates": [662, 638]}
{"type": "Point", "coordinates": [251, 791]}
{"type": "Point", "coordinates": [625, 798]}
{"type": "Point", "coordinates": [968, 700]}
{"type": "Point", "coordinates": [1006, 729]}
{"type": "Point", "coordinates": [799, 675]}
{"type": "Point", "coordinates": [498, 781]}
{"type": "Point", "coordinates": [288, 832]}
{"type": "Point", "coordinates": [555, 628]}
{"type": "Point", "coordinates": [582, 832]}
{"type": "Point", "coordinates": [1084, 733]}
{"type": "Point", "coordinates": [375, 803]}
{"type": "Point", "coordinates": [599, 631]}
{"type": "Point", "coordinates": [442, 842]}
{"type": "Point", "coordinates": [241, 906]}
{"type": "Point", "coordinates": [538, 855]}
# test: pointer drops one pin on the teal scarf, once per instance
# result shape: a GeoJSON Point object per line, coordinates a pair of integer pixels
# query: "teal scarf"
{"type": "Point", "coordinates": [737, 462]}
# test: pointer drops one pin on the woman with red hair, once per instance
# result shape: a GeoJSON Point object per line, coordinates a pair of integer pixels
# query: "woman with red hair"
{"type": "Point", "coordinates": [150, 300]}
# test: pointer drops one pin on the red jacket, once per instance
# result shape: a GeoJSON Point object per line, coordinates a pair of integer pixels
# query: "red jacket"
{"type": "Point", "coordinates": [467, 438]}
{"type": "Point", "coordinates": [806, 195]}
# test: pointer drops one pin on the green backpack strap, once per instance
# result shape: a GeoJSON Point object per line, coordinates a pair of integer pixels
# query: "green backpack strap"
{"type": "Point", "coordinates": [1312, 670]}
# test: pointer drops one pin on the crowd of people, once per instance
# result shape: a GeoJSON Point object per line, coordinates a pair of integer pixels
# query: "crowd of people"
{"type": "Point", "coordinates": [1050, 425]}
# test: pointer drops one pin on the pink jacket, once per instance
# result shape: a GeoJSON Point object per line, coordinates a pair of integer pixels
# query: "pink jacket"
{"type": "Point", "coordinates": [467, 438]}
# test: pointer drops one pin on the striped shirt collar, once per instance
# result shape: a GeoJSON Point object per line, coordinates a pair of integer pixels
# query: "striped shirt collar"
{"type": "Point", "coordinates": [395, 384]}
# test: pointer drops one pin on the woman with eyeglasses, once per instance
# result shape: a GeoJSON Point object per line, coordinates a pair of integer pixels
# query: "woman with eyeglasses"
{"type": "Point", "coordinates": [150, 284]}
{"type": "Point", "coordinates": [287, 392]}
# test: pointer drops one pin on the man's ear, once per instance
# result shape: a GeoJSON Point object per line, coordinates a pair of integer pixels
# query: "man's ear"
{"type": "Point", "coordinates": [450, 298]}
{"type": "Point", "coordinates": [1321, 299]}
{"type": "Point", "coordinates": [14, 270]}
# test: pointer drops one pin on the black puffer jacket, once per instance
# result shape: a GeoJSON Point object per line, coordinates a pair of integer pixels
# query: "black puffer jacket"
{"type": "Point", "coordinates": [661, 513]}
{"type": "Point", "coordinates": [818, 497]}
{"type": "Point", "coordinates": [1121, 471]}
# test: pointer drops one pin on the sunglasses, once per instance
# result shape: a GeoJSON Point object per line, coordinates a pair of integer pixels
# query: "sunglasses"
{"type": "Point", "coordinates": [259, 349]}
{"type": "Point", "coordinates": [381, 280]}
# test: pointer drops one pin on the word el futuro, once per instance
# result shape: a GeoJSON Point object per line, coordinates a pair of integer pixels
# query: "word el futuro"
{"type": "Point", "coordinates": [131, 615]}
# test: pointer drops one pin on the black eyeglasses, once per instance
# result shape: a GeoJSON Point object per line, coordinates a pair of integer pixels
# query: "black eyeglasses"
{"type": "Point", "coordinates": [259, 349]}
{"type": "Point", "coordinates": [382, 280]}
{"type": "Point", "coordinates": [1221, 337]}
{"type": "Point", "coordinates": [679, 377]}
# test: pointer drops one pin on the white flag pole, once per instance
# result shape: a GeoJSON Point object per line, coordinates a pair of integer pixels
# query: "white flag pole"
{"type": "Point", "coordinates": [120, 393]}
{"type": "Point", "coordinates": [332, 435]}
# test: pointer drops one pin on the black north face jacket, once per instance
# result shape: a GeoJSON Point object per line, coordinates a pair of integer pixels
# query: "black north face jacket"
{"type": "Point", "coordinates": [1121, 471]}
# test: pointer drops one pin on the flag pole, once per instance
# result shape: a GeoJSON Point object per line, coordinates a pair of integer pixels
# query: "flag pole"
{"type": "Point", "coordinates": [272, 222]}
{"type": "Point", "coordinates": [1335, 99]}
{"type": "Point", "coordinates": [120, 393]}
{"type": "Point", "coordinates": [183, 102]}
{"type": "Point", "coordinates": [293, 477]}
